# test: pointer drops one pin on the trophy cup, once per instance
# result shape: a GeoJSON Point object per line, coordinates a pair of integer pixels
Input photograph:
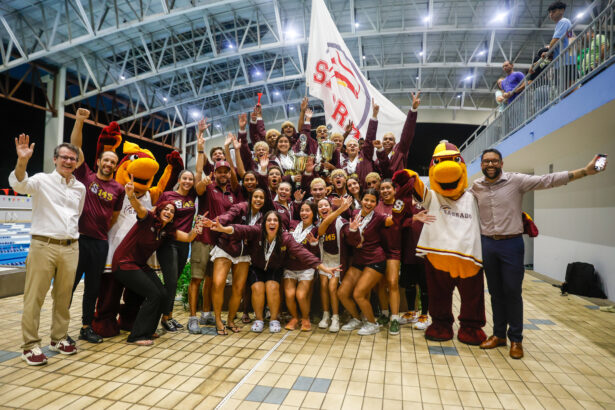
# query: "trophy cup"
{"type": "Point", "coordinates": [327, 148]}
{"type": "Point", "coordinates": [300, 163]}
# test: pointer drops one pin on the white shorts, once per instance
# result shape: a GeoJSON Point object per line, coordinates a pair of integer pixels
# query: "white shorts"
{"type": "Point", "coordinates": [299, 275]}
{"type": "Point", "coordinates": [330, 261]}
{"type": "Point", "coordinates": [218, 252]}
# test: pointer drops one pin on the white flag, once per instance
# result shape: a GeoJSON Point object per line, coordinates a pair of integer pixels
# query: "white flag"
{"type": "Point", "coordinates": [334, 77]}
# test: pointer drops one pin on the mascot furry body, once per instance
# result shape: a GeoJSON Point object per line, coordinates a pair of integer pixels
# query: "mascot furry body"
{"type": "Point", "coordinates": [450, 245]}
{"type": "Point", "coordinates": [142, 165]}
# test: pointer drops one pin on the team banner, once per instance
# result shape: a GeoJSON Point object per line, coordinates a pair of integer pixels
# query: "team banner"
{"type": "Point", "coordinates": [334, 77]}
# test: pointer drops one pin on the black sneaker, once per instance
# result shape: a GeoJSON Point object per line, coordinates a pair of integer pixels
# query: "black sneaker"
{"type": "Point", "coordinates": [168, 326]}
{"type": "Point", "coordinates": [89, 335]}
{"type": "Point", "coordinates": [176, 323]}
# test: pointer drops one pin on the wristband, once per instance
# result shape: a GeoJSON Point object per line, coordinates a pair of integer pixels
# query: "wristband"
{"type": "Point", "coordinates": [201, 152]}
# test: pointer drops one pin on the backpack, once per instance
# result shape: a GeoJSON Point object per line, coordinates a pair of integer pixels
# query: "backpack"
{"type": "Point", "coordinates": [582, 280]}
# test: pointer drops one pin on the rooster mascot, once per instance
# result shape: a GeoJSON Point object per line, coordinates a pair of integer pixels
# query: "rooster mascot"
{"type": "Point", "coordinates": [451, 245]}
{"type": "Point", "coordinates": [142, 165]}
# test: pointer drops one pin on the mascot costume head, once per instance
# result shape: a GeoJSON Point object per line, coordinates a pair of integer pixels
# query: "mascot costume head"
{"type": "Point", "coordinates": [450, 245]}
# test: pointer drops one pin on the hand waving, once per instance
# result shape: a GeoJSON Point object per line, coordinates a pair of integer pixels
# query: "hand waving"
{"type": "Point", "coordinates": [23, 147]}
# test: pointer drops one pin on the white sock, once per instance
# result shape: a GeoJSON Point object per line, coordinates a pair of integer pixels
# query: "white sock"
{"type": "Point", "coordinates": [205, 314]}
{"type": "Point", "coordinates": [325, 314]}
{"type": "Point", "coordinates": [192, 317]}
{"type": "Point", "coordinates": [395, 317]}
{"type": "Point", "coordinates": [335, 317]}
{"type": "Point", "coordinates": [385, 313]}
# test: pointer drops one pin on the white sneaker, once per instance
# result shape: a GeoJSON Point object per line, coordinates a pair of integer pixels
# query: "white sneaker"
{"type": "Point", "coordinates": [324, 323]}
{"type": "Point", "coordinates": [352, 325]}
{"type": "Point", "coordinates": [335, 324]}
{"type": "Point", "coordinates": [409, 317]}
{"type": "Point", "coordinates": [422, 323]}
{"type": "Point", "coordinates": [369, 329]}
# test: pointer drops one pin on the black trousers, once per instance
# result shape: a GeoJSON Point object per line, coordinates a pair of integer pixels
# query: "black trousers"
{"type": "Point", "coordinates": [146, 284]}
{"type": "Point", "coordinates": [503, 264]}
{"type": "Point", "coordinates": [412, 275]}
{"type": "Point", "coordinates": [92, 258]}
{"type": "Point", "coordinates": [172, 256]}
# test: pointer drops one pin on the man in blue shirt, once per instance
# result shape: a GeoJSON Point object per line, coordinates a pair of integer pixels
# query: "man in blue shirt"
{"type": "Point", "coordinates": [512, 80]}
{"type": "Point", "coordinates": [562, 27]}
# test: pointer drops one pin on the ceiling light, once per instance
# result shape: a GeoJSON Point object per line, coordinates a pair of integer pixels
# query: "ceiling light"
{"type": "Point", "coordinates": [256, 72]}
{"type": "Point", "coordinates": [291, 108]}
{"type": "Point", "coordinates": [426, 19]}
{"type": "Point", "coordinates": [122, 77]}
{"type": "Point", "coordinates": [356, 25]}
{"type": "Point", "coordinates": [499, 17]}
{"type": "Point", "coordinates": [165, 99]}
{"type": "Point", "coordinates": [481, 53]}
{"type": "Point", "coordinates": [363, 57]}
{"type": "Point", "coordinates": [468, 78]}
{"type": "Point", "coordinates": [291, 33]}
{"type": "Point", "coordinates": [417, 77]}
{"type": "Point", "coordinates": [276, 93]}
{"type": "Point", "coordinates": [218, 126]}
{"type": "Point", "coordinates": [421, 53]}
{"type": "Point", "coordinates": [581, 14]}
{"type": "Point", "coordinates": [195, 114]}
{"type": "Point", "coordinates": [230, 45]}
{"type": "Point", "coordinates": [459, 96]}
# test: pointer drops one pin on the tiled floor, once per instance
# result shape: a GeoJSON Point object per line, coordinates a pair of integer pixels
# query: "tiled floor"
{"type": "Point", "coordinates": [569, 363]}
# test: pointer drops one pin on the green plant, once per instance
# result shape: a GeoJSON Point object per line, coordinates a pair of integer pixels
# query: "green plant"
{"type": "Point", "coordinates": [183, 282]}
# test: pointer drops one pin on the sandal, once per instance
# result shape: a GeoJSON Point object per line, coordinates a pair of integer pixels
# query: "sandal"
{"type": "Point", "coordinates": [274, 326]}
{"type": "Point", "coordinates": [221, 332]}
{"type": "Point", "coordinates": [257, 326]}
{"type": "Point", "coordinates": [144, 342]}
{"type": "Point", "coordinates": [292, 324]}
{"type": "Point", "coordinates": [245, 319]}
{"type": "Point", "coordinates": [233, 328]}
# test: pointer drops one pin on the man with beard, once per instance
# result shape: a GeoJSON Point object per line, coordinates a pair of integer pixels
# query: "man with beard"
{"type": "Point", "coordinates": [215, 197]}
{"type": "Point", "coordinates": [499, 196]}
{"type": "Point", "coordinates": [103, 203]}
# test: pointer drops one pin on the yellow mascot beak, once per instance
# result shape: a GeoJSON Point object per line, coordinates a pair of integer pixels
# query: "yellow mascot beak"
{"type": "Point", "coordinates": [447, 172]}
{"type": "Point", "coordinates": [143, 170]}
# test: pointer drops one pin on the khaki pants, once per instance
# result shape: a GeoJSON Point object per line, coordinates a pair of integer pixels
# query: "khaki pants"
{"type": "Point", "coordinates": [45, 262]}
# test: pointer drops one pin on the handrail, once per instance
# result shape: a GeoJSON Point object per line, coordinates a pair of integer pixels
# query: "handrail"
{"type": "Point", "coordinates": [586, 55]}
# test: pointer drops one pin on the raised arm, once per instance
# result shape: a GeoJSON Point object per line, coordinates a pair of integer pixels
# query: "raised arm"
{"type": "Point", "coordinates": [199, 182]}
{"type": "Point", "coordinates": [76, 136]}
{"type": "Point", "coordinates": [241, 170]}
{"type": "Point", "coordinates": [301, 120]}
{"type": "Point", "coordinates": [407, 134]}
{"type": "Point", "coordinates": [324, 225]}
{"type": "Point", "coordinates": [24, 153]}
{"type": "Point", "coordinates": [136, 205]}
{"type": "Point", "coordinates": [182, 236]}
{"type": "Point", "coordinates": [227, 154]}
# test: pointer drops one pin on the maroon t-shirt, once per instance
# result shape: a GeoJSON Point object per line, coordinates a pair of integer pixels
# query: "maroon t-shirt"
{"type": "Point", "coordinates": [392, 235]}
{"type": "Point", "coordinates": [140, 243]}
{"type": "Point", "coordinates": [217, 201]}
{"type": "Point", "coordinates": [102, 198]}
{"type": "Point", "coordinates": [184, 208]}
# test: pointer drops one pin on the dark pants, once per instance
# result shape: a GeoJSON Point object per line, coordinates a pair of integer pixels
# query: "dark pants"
{"type": "Point", "coordinates": [146, 284]}
{"type": "Point", "coordinates": [411, 275]}
{"type": "Point", "coordinates": [92, 258]}
{"type": "Point", "coordinates": [172, 256]}
{"type": "Point", "coordinates": [503, 263]}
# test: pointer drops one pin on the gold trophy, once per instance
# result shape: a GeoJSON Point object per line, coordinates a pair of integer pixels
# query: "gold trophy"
{"type": "Point", "coordinates": [327, 148]}
{"type": "Point", "coordinates": [300, 163]}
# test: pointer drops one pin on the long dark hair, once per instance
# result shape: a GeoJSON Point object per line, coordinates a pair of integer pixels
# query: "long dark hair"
{"type": "Point", "coordinates": [159, 207]}
{"type": "Point", "coordinates": [245, 191]}
{"type": "Point", "coordinates": [267, 204]}
{"type": "Point", "coordinates": [278, 234]}
{"type": "Point", "coordinates": [313, 208]}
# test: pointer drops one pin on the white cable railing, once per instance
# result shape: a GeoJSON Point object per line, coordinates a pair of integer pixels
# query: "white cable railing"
{"type": "Point", "coordinates": [586, 55]}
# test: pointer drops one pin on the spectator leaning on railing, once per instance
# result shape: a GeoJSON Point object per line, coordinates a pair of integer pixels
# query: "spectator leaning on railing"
{"type": "Point", "coordinates": [511, 82]}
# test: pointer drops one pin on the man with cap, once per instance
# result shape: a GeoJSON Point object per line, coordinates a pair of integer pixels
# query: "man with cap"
{"type": "Point", "coordinates": [215, 198]}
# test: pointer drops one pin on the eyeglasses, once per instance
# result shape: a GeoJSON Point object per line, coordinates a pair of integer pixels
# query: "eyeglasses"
{"type": "Point", "coordinates": [490, 161]}
{"type": "Point", "coordinates": [67, 158]}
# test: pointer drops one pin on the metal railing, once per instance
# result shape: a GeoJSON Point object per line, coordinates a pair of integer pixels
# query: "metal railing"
{"type": "Point", "coordinates": [586, 55]}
